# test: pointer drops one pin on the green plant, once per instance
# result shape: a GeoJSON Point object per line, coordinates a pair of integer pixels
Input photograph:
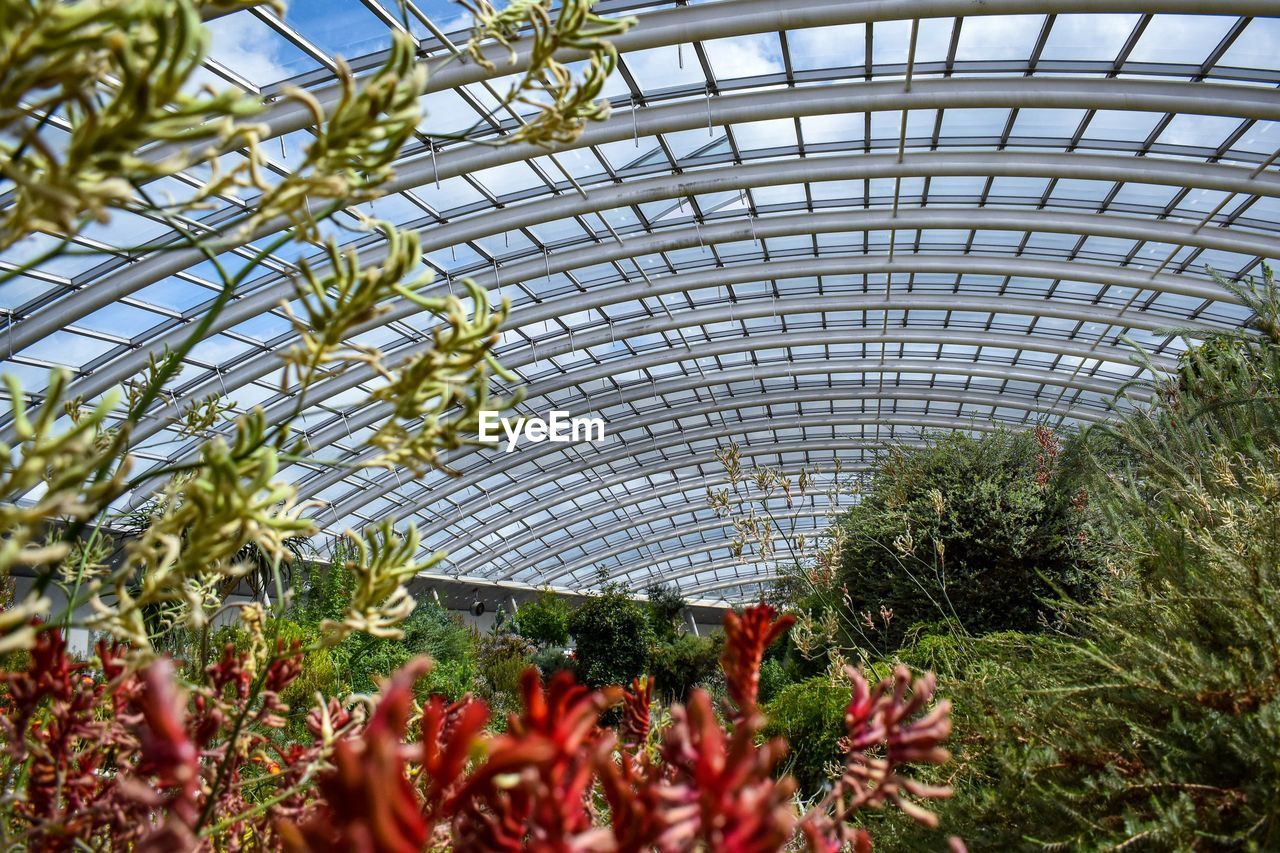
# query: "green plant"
{"type": "Point", "coordinates": [666, 605]}
{"type": "Point", "coordinates": [612, 636]}
{"type": "Point", "coordinates": [683, 662]}
{"type": "Point", "coordinates": [1148, 721]}
{"type": "Point", "coordinates": [545, 620]}
{"type": "Point", "coordinates": [980, 531]}
{"type": "Point", "coordinates": [773, 679]}
{"type": "Point", "coordinates": [810, 715]}
{"type": "Point", "coordinates": [502, 658]}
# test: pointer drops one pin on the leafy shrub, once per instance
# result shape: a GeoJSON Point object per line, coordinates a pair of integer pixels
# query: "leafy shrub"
{"type": "Point", "coordinates": [666, 605]}
{"type": "Point", "coordinates": [707, 783]}
{"type": "Point", "coordinates": [683, 662]}
{"type": "Point", "coordinates": [552, 660]}
{"type": "Point", "coordinates": [612, 636]}
{"type": "Point", "coordinates": [978, 531]}
{"type": "Point", "coordinates": [1171, 706]}
{"type": "Point", "coordinates": [773, 678]}
{"type": "Point", "coordinates": [1152, 725]}
{"type": "Point", "coordinates": [503, 658]}
{"type": "Point", "coordinates": [545, 620]}
{"type": "Point", "coordinates": [809, 714]}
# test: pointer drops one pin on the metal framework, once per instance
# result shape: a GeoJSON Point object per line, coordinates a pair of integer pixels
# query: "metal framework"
{"type": "Point", "coordinates": [811, 227]}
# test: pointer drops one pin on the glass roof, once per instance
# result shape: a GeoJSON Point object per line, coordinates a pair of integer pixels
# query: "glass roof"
{"type": "Point", "coordinates": [809, 241]}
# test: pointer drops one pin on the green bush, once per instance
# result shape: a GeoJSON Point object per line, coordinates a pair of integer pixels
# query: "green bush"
{"type": "Point", "coordinates": [773, 679]}
{"type": "Point", "coordinates": [977, 530]}
{"type": "Point", "coordinates": [1152, 725]}
{"type": "Point", "coordinates": [545, 620]}
{"type": "Point", "coordinates": [666, 605]}
{"type": "Point", "coordinates": [503, 657]}
{"type": "Point", "coordinates": [810, 715]}
{"type": "Point", "coordinates": [681, 663]}
{"type": "Point", "coordinates": [612, 636]}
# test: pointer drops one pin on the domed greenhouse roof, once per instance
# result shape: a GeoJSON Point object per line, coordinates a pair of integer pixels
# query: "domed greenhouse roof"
{"type": "Point", "coordinates": [805, 228]}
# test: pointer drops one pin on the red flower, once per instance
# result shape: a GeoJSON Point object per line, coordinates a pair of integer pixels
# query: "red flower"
{"type": "Point", "coordinates": [369, 804]}
{"type": "Point", "coordinates": [745, 639]}
{"type": "Point", "coordinates": [532, 792]}
{"type": "Point", "coordinates": [449, 731]}
{"type": "Point", "coordinates": [887, 729]}
{"type": "Point", "coordinates": [635, 713]}
{"type": "Point", "coordinates": [740, 806]}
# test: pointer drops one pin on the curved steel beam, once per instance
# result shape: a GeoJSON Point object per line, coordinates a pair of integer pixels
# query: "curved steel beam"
{"type": "Point", "coordinates": [668, 27]}
{"type": "Point", "coordinates": [661, 557]}
{"type": "Point", "coordinates": [823, 395]}
{"type": "Point", "coordinates": [745, 580]}
{"type": "Point", "coordinates": [683, 438]}
{"type": "Point", "coordinates": [1070, 93]}
{"type": "Point", "coordinates": [269, 291]}
{"type": "Point", "coordinates": [696, 570]}
{"type": "Point", "coordinates": [822, 337]}
{"type": "Point", "coordinates": [555, 549]}
{"type": "Point", "coordinates": [359, 417]}
{"type": "Point", "coordinates": [519, 512]}
{"type": "Point", "coordinates": [599, 297]}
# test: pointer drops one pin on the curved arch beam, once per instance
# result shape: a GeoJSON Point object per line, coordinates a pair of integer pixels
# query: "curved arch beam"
{"type": "Point", "coordinates": [662, 557]}
{"type": "Point", "coordinates": [521, 511]}
{"type": "Point", "coordinates": [667, 27]}
{"type": "Point", "coordinates": [714, 565]}
{"type": "Point", "coordinates": [738, 344]}
{"type": "Point", "coordinates": [604, 458]}
{"type": "Point", "coordinates": [555, 549]}
{"type": "Point", "coordinates": [823, 396]}
{"type": "Point", "coordinates": [826, 395]}
{"type": "Point", "coordinates": [266, 296]}
{"type": "Point", "coordinates": [359, 418]}
{"type": "Point", "coordinates": [599, 297]}
{"type": "Point", "coordinates": [761, 579]}
{"type": "Point", "coordinates": [1069, 93]}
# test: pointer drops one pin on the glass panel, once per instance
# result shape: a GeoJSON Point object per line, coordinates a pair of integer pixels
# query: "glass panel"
{"type": "Point", "coordinates": [842, 46]}
{"type": "Point", "coordinates": [1185, 39]}
{"type": "Point", "coordinates": [1121, 124]}
{"type": "Point", "coordinates": [1047, 123]}
{"type": "Point", "coordinates": [1198, 131]}
{"type": "Point", "coordinates": [254, 51]}
{"type": "Point", "coordinates": [744, 56]}
{"type": "Point", "coordinates": [1255, 47]}
{"type": "Point", "coordinates": [1088, 37]}
{"type": "Point", "coordinates": [665, 68]}
{"type": "Point", "coordinates": [339, 26]}
{"type": "Point", "coordinates": [990, 38]}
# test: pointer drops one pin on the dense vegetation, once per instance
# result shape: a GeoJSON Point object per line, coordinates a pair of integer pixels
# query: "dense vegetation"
{"type": "Point", "coordinates": [1142, 714]}
{"type": "Point", "coordinates": [981, 531]}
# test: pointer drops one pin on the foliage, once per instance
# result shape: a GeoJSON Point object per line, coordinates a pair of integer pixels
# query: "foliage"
{"type": "Point", "coordinates": [226, 498]}
{"type": "Point", "coordinates": [48, 49]}
{"type": "Point", "coordinates": [106, 755]}
{"type": "Point", "coordinates": [1150, 724]}
{"type": "Point", "coordinates": [683, 662]}
{"type": "Point", "coordinates": [612, 636]}
{"type": "Point", "coordinates": [1179, 672]}
{"type": "Point", "coordinates": [502, 659]}
{"type": "Point", "coordinates": [666, 605]}
{"type": "Point", "coordinates": [545, 620]}
{"type": "Point", "coordinates": [201, 768]}
{"type": "Point", "coordinates": [773, 679]}
{"type": "Point", "coordinates": [979, 531]}
{"type": "Point", "coordinates": [130, 757]}
{"type": "Point", "coordinates": [809, 714]}
{"type": "Point", "coordinates": [702, 786]}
